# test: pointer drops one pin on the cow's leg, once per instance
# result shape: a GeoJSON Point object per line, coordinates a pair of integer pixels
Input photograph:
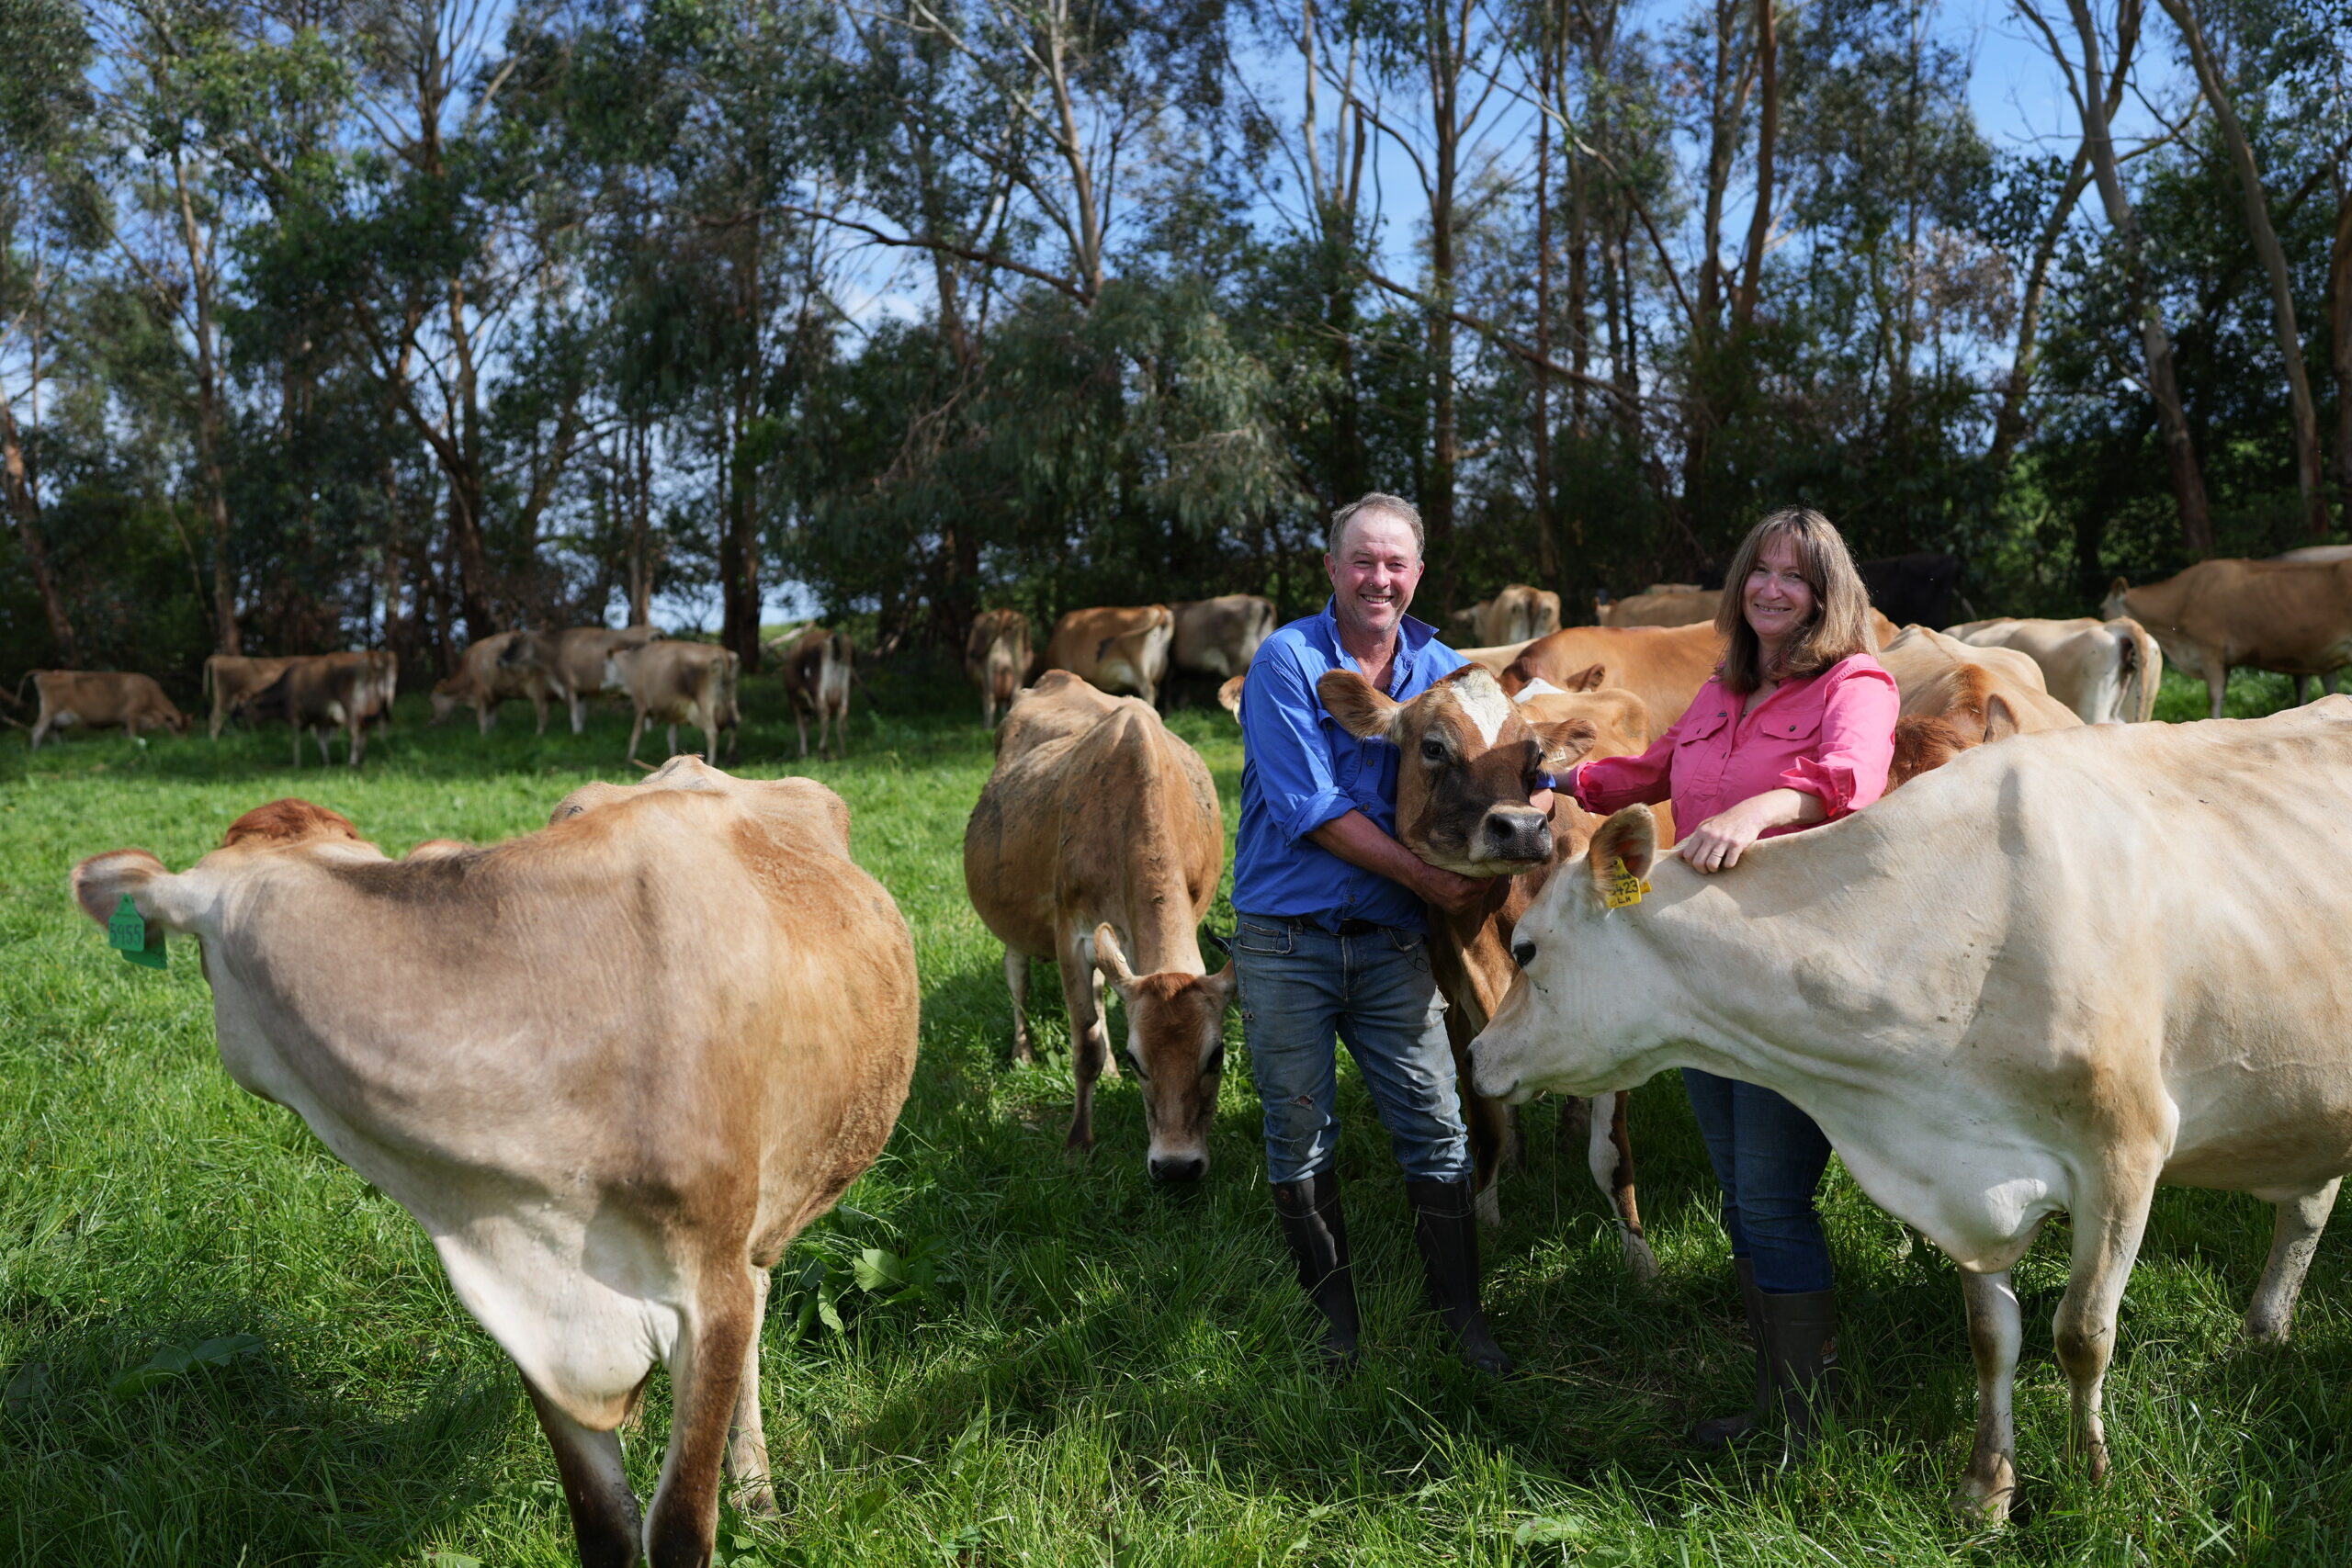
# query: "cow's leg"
{"type": "Point", "coordinates": [40, 730]}
{"type": "Point", "coordinates": [580, 717]}
{"type": "Point", "coordinates": [2106, 1241]}
{"type": "Point", "coordinates": [2302, 690]}
{"type": "Point", "coordinates": [1487, 1122]}
{"type": "Point", "coordinates": [800, 722]}
{"type": "Point", "coordinates": [539, 708]}
{"type": "Point", "coordinates": [636, 732]}
{"type": "Point", "coordinates": [486, 715]}
{"type": "Point", "coordinates": [747, 1437]}
{"type": "Point", "coordinates": [355, 744]}
{"type": "Point", "coordinates": [2292, 1242]}
{"type": "Point", "coordinates": [1088, 1047]}
{"type": "Point", "coordinates": [595, 1485]}
{"type": "Point", "coordinates": [1993, 1334]}
{"type": "Point", "coordinates": [2216, 678]}
{"type": "Point", "coordinates": [1609, 1154]}
{"type": "Point", "coordinates": [1016, 980]}
{"type": "Point", "coordinates": [706, 1373]}
{"type": "Point", "coordinates": [673, 741]}
{"type": "Point", "coordinates": [1102, 1024]}
{"type": "Point", "coordinates": [841, 729]}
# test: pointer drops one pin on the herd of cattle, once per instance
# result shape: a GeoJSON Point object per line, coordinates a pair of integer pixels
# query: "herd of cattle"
{"type": "Point", "coordinates": [2069, 1050]}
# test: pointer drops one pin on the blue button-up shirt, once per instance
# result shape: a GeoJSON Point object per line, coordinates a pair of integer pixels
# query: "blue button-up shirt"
{"type": "Point", "coordinates": [1300, 769]}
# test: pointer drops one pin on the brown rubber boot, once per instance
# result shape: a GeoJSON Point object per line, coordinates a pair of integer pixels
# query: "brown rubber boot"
{"type": "Point", "coordinates": [1717, 1430]}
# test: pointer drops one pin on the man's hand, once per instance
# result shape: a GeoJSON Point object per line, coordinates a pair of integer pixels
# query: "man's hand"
{"type": "Point", "coordinates": [1358, 839]}
{"type": "Point", "coordinates": [1455, 894]}
{"type": "Point", "coordinates": [1717, 843]}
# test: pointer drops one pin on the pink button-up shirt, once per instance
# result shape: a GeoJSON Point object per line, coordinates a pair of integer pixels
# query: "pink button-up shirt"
{"type": "Point", "coordinates": [1832, 736]}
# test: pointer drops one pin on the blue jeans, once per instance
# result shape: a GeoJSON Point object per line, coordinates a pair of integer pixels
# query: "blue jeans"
{"type": "Point", "coordinates": [1768, 1157]}
{"type": "Point", "coordinates": [1302, 987]}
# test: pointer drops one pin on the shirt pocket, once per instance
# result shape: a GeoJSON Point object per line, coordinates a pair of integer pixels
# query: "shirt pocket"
{"type": "Point", "coordinates": [1800, 729]}
{"type": "Point", "coordinates": [1706, 729]}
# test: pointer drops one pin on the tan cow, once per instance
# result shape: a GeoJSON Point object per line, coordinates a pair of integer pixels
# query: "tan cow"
{"type": "Point", "coordinates": [324, 692]}
{"type": "Point", "coordinates": [1987, 692]}
{"type": "Point", "coordinates": [233, 680]}
{"type": "Point", "coordinates": [2292, 616]}
{"type": "Point", "coordinates": [1115, 649]}
{"type": "Point", "coordinates": [1099, 837]}
{"type": "Point", "coordinates": [612, 1067]}
{"type": "Point", "coordinates": [577, 662]}
{"type": "Point", "coordinates": [679, 682]}
{"type": "Point", "coordinates": [1663, 666]}
{"type": "Point", "coordinates": [1990, 1034]}
{"type": "Point", "coordinates": [1518, 614]}
{"type": "Point", "coordinates": [996, 658]}
{"type": "Point", "coordinates": [2317, 553]}
{"type": "Point", "coordinates": [1462, 803]}
{"type": "Point", "coordinates": [818, 668]}
{"type": "Point", "coordinates": [2107, 671]}
{"type": "Point", "coordinates": [1218, 637]}
{"type": "Point", "coordinates": [484, 681]}
{"type": "Point", "coordinates": [1665, 605]}
{"type": "Point", "coordinates": [99, 700]}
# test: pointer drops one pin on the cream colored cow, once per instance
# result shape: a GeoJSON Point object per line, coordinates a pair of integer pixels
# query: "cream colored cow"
{"type": "Point", "coordinates": [2107, 671]}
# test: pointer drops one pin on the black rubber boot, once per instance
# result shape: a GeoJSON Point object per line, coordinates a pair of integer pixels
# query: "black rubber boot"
{"type": "Point", "coordinates": [1717, 1430]}
{"type": "Point", "coordinates": [1445, 1223]}
{"type": "Point", "coordinates": [1318, 1234]}
{"type": "Point", "coordinates": [1801, 1341]}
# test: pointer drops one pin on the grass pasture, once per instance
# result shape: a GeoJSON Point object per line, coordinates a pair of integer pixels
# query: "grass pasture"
{"type": "Point", "coordinates": [218, 1346]}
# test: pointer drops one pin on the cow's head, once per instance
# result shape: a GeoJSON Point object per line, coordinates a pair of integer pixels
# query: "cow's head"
{"type": "Point", "coordinates": [102, 881]}
{"type": "Point", "coordinates": [1176, 1046]}
{"type": "Point", "coordinates": [446, 695]}
{"type": "Point", "coordinates": [2113, 607]}
{"type": "Point", "coordinates": [1470, 758]}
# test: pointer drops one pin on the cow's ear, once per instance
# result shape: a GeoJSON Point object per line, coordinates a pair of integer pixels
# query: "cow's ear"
{"type": "Point", "coordinates": [2121, 585]}
{"type": "Point", "coordinates": [2000, 719]}
{"type": "Point", "coordinates": [1350, 698]}
{"type": "Point", "coordinates": [1625, 845]}
{"type": "Point", "coordinates": [1109, 957]}
{"type": "Point", "coordinates": [1228, 696]}
{"type": "Point", "coordinates": [588, 798]}
{"type": "Point", "coordinates": [103, 882]}
{"type": "Point", "coordinates": [1591, 678]}
{"type": "Point", "coordinates": [1565, 742]}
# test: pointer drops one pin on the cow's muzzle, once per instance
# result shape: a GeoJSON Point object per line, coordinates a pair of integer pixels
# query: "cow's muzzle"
{"type": "Point", "coordinates": [1177, 1167]}
{"type": "Point", "coordinates": [1515, 834]}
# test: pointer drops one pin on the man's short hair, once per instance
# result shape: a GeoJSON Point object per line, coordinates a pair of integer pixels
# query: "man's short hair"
{"type": "Point", "coordinates": [1373, 501]}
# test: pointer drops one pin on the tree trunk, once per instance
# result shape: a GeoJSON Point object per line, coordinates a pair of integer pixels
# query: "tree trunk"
{"type": "Point", "coordinates": [23, 505]}
{"type": "Point", "coordinates": [2339, 291]}
{"type": "Point", "coordinates": [1437, 494]}
{"type": "Point", "coordinates": [2008, 424]}
{"type": "Point", "coordinates": [1547, 544]}
{"type": "Point", "coordinates": [2309, 472]}
{"type": "Point", "coordinates": [208, 419]}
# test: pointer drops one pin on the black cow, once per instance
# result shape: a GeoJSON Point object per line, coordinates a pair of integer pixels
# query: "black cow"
{"type": "Point", "coordinates": [1918, 587]}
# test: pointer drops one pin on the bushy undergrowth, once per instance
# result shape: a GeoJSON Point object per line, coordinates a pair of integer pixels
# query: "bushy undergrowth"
{"type": "Point", "coordinates": [991, 1355]}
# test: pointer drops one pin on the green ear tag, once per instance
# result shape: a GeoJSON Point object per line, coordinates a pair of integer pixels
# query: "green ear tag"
{"type": "Point", "coordinates": [128, 934]}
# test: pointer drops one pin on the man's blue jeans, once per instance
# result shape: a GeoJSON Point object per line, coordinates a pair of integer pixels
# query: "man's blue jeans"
{"type": "Point", "coordinates": [1302, 987]}
{"type": "Point", "coordinates": [1769, 1156]}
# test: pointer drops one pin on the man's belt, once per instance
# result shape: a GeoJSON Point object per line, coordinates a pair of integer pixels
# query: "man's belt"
{"type": "Point", "coordinates": [1309, 923]}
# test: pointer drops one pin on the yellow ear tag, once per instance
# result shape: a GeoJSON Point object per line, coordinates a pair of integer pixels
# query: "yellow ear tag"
{"type": "Point", "coordinates": [1622, 887]}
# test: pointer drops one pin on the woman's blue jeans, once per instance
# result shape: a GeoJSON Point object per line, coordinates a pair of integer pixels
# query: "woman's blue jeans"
{"type": "Point", "coordinates": [1302, 987]}
{"type": "Point", "coordinates": [1768, 1157]}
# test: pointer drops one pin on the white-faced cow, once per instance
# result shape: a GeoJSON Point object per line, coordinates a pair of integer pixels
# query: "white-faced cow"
{"type": "Point", "coordinates": [818, 666]}
{"type": "Point", "coordinates": [1988, 1033]}
{"type": "Point", "coordinates": [612, 1067]}
{"type": "Point", "coordinates": [1471, 755]}
{"type": "Point", "coordinates": [680, 683]}
{"type": "Point", "coordinates": [996, 659]}
{"type": "Point", "coordinates": [1097, 843]}
{"type": "Point", "coordinates": [99, 700]}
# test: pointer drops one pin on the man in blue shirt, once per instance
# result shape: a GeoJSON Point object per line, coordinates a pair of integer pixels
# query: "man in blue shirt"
{"type": "Point", "coordinates": [1331, 938]}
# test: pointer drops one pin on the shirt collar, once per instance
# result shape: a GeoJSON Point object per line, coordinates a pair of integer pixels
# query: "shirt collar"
{"type": "Point", "coordinates": [1412, 636]}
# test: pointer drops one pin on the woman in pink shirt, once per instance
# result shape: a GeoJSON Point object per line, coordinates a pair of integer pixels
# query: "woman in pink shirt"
{"type": "Point", "coordinates": [1795, 728]}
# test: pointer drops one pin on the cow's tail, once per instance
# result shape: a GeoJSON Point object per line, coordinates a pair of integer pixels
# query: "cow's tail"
{"type": "Point", "coordinates": [18, 699]}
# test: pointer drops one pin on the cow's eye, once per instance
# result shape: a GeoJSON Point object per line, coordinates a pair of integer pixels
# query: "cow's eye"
{"type": "Point", "coordinates": [1433, 750]}
{"type": "Point", "coordinates": [1522, 953]}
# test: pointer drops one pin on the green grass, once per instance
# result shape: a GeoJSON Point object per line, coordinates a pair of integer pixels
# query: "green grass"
{"type": "Point", "coordinates": [1099, 1373]}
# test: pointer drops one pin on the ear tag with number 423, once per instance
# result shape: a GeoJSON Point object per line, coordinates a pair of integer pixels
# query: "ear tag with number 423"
{"type": "Point", "coordinates": [129, 933]}
{"type": "Point", "coordinates": [1623, 888]}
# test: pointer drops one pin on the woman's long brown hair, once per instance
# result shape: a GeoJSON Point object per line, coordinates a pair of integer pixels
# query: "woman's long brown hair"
{"type": "Point", "coordinates": [1839, 626]}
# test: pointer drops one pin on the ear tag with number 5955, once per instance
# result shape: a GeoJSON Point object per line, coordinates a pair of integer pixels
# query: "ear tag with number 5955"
{"type": "Point", "coordinates": [1623, 888]}
{"type": "Point", "coordinates": [129, 933]}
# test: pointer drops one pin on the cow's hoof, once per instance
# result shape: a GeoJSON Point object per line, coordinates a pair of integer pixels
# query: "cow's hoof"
{"type": "Point", "coordinates": [758, 1500]}
{"type": "Point", "coordinates": [1983, 1501]}
{"type": "Point", "coordinates": [1640, 1261]}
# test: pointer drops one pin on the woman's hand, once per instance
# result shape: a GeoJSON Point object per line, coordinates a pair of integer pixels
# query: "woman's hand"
{"type": "Point", "coordinates": [1717, 843]}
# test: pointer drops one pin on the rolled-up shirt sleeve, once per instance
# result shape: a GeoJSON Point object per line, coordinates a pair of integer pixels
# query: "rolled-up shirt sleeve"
{"type": "Point", "coordinates": [1611, 783]}
{"type": "Point", "coordinates": [1856, 745]}
{"type": "Point", "coordinates": [1282, 729]}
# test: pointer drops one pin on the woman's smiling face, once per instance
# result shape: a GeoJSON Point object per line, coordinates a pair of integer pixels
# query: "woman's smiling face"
{"type": "Point", "coordinates": [1777, 598]}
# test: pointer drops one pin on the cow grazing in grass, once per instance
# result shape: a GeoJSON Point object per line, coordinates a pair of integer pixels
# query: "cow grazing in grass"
{"type": "Point", "coordinates": [2294, 618]}
{"type": "Point", "coordinates": [576, 662]}
{"type": "Point", "coordinates": [2107, 672]}
{"type": "Point", "coordinates": [1097, 843]}
{"type": "Point", "coordinates": [484, 680]}
{"type": "Point", "coordinates": [612, 1067]}
{"type": "Point", "coordinates": [1987, 1034]}
{"type": "Point", "coordinates": [233, 680]}
{"type": "Point", "coordinates": [1115, 649]}
{"type": "Point", "coordinates": [818, 666]}
{"type": "Point", "coordinates": [326, 692]}
{"type": "Point", "coordinates": [1470, 757]}
{"type": "Point", "coordinates": [99, 700]}
{"type": "Point", "coordinates": [680, 683]}
{"type": "Point", "coordinates": [996, 659]}
{"type": "Point", "coordinates": [1218, 637]}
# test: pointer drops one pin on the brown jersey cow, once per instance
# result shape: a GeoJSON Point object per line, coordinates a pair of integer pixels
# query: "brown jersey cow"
{"type": "Point", "coordinates": [1115, 649]}
{"type": "Point", "coordinates": [2294, 618]}
{"type": "Point", "coordinates": [996, 659]}
{"type": "Point", "coordinates": [99, 699]}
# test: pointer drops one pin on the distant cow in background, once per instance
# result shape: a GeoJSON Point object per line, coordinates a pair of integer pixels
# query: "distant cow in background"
{"type": "Point", "coordinates": [324, 692]}
{"type": "Point", "coordinates": [1662, 604]}
{"type": "Point", "coordinates": [576, 661]}
{"type": "Point", "coordinates": [484, 681]}
{"type": "Point", "coordinates": [1218, 637]}
{"type": "Point", "coordinates": [680, 683]}
{"type": "Point", "coordinates": [1517, 614]}
{"type": "Point", "coordinates": [2107, 672]}
{"type": "Point", "coordinates": [2294, 618]}
{"type": "Point", "coordinates": [1957, 697]}
{"type": "Point", "coordinates": [233, 680]}
{"type": "Point", "coordinates": [2322, 554]}
{"type": "Point", "coordinates": [1115, 649]}
{"type": "Point", "coordinates": [99, 700]}
{"type": "Point", "coordinates": [817, 666]}
{"type": "Point", "coordinates": [996, 658]}
{"type": "Point", "coordinates": [1918, 587]}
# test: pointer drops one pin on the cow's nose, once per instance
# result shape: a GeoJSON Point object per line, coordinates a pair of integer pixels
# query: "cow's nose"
{"type": "Point", "coordinates": [1178, 1167]}
{"type": "Point", "coordinates": [1518, 835]}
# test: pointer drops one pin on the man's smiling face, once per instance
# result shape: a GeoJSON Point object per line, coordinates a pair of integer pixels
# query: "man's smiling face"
{"type": "Point", "coordinates": [1373, 575]}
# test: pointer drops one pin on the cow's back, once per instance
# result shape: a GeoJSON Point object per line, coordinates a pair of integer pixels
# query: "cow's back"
{"type": "Point", "coordinates": [1663, 666]}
